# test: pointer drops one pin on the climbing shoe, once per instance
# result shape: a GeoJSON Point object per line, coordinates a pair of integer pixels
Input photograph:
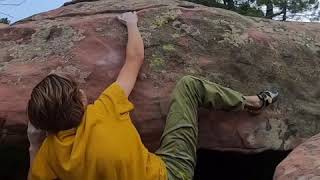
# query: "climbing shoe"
{"type": "Point", "coordinates": [267, 98]}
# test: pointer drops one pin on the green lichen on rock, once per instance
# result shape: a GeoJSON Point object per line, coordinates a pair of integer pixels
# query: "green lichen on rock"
{"type": "Point", "coordinates": [230, 32]}
{"type": "Point", "coordinates": [175, 35]}
{"type": "Point", "coordinates": [74, 71]}
{"type": "Point", "coordinates": [157, 63]}
{"type": "Point", "coordinates": [185, 29]}
{"type": "Point", "coordinates": [165, 18]}
{"type": "Point", "coordinates": [53, 40]}
{"type": "Point", "coordinates": [168, 47]}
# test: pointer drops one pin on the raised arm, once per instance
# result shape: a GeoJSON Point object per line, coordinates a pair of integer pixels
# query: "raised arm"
{"type": "Point", "coordinates": [134, 54]}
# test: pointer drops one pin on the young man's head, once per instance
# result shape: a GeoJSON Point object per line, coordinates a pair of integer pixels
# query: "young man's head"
{"type": "Point", "coordinates": [56, 104]}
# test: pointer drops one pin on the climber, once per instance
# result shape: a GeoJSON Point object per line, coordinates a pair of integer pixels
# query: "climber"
{"type": "Point", "coordinates": [73, 140]}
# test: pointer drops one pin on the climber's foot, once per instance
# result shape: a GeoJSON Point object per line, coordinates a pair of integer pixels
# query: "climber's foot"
{"type": "Point", "coordinates": [255, 104]}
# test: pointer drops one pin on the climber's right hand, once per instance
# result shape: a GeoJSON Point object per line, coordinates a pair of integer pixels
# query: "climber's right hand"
{"type": "Point", "coordinates": [134, 54]}
{"type": "Point", "coordinates": [129, 18]}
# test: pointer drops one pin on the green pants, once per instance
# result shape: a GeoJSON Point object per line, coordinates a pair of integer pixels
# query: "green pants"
{"type": "Point", "coordinates": [178, 147]}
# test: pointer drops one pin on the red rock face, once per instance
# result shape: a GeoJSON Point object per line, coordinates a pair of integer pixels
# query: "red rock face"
{"type": "Point", "coordinates": [302, 163]}
{"type": "Point", "coordinates": [246, 54]}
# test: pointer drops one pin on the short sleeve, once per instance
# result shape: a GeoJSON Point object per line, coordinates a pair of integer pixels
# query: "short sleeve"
{"type": "Point", "coordinates": [115, 96]}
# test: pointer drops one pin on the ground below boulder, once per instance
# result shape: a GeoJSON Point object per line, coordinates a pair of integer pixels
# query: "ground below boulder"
{"type": "Point", "coordinates": [248, 54]}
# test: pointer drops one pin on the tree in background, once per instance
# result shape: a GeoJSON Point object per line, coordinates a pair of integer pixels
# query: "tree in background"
{"type": "Point", "coordinates": [241, 6]}
{"type": "Point", "coordinates": [315, 15]}
{"type": "Point", "coordinates": [4, 20]}
{"type": "Point", "coordinates": [229, 4]}
{"type": "Point", "coordinates": [312, 8]}
{"type": "Point", "coordinates": [246, 8]}
{"type": "Point", "coordinates": [210, 3]}
{"type": "Point", "coordinates": [285, 6]}
{"type": "Point", "coordinates": [253, 7]}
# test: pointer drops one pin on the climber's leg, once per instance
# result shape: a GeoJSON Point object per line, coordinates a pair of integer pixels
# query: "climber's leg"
{"type": "Point", "coordinates": [179, 140]}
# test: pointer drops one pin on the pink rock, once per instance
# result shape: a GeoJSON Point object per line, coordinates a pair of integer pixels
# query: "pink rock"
{"type": "Point", "coordinates": [244, 53]}
{"type": "Point", "coordinates": [302, 163]}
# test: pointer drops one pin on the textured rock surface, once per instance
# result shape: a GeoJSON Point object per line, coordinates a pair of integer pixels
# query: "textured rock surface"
{"type": "Point", "coordinates": [3, 25]}
{"type": "Point", "coordinates": [303, 162]}
{"type": "Point", "coordinates": [247, 54]}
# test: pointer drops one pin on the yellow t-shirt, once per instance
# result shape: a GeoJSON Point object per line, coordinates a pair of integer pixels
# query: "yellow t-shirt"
{"type": "Point", "coordinates": [106, 145]}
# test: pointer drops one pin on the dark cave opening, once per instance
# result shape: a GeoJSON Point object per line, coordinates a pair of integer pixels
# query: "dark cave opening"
{"type": "Point", "coordinates": [225, 165]}
{"type": "Point", "coordinates": [14, 162]}
{"type": "Point", "coordinates": [210, 165]}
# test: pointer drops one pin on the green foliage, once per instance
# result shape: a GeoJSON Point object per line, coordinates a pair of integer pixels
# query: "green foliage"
{"type": "Point", "coordinates": [168, 47]}
{"type": "Point", "coordinates": [292, 6]}
{"type": "Point", "coordinates": [295, 6]}
{"type": "Point", "coordinates": [240, 6]}
{"type": "Point", "coordinates": [262, 2]}
{"type": "Point", "coordinates": [157, 63]}
{"type": "Point", "coordinates": [210, 3]}
{"type": "Point", "coordinates": [246, 10]}
{"type": "Point", "coordinates": [245, 7]}
{"type": "Point", "coordinates": [4, 20]}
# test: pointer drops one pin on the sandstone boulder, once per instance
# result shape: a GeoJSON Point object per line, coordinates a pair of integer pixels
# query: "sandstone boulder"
{"type": "Point", "coordinates": [249, 54]}
{"type": "Point", "coordinates": [302, 163]}
{"type": "Point", "coordinates": [3, 25]}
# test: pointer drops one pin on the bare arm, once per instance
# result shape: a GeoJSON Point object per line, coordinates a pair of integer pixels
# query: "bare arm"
{"type": "Point", "coordinates": [134, 54]}
{"type": "Point", "coordinates": [36, 138]}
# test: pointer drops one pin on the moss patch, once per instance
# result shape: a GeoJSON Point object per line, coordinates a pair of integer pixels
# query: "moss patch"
{"type": "Point", "coordinates": [165, 18]}
{"type": "Point", "coordinates": [168, 47]}
{"type": "Point", "coordinates": [175, 35]}
{"type": "Point", "coordinates": [57, 39]}
{"type": "Point", "coordinates": [157, 63]}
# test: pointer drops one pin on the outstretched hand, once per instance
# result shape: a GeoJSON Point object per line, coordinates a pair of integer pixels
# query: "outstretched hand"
{"type": "Point", "coordinates": [128, 18]}
{"type": "Point", "coordinates": [134, 54]}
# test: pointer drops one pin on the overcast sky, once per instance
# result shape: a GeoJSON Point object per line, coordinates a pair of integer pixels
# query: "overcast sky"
{"type": "Point", "coordinates": [27, 8]}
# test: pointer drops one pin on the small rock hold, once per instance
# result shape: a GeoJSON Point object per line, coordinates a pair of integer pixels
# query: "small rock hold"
{"type": "Point", "coordinates": [142, 76]}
